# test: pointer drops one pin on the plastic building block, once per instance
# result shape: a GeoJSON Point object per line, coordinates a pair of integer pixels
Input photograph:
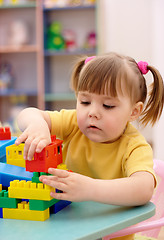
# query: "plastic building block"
{"type": "Point", "coordinates": [23, 213]}
{"type": "Point", "coordinates": [14, 155]}
{"type": "Point", "coordinates": [5, 133]}
{"type": "Point", "coordinates": [36, 176]}
{"type": "Point", "coordinates": [3, 159]}
{"type": "Point", "coordinates": [3, 145]}
{"type": "Point", "coordinates": [62, 166]}
{"type": "Point", "coordinates": [41, 205]}
{"type": "Point", "coordinates": [28, 190]}
{"type": "Point", "coordinates": [59, 206]}
{"type": "Point", "coordinates": [0, 187]}
{"type": "Point", "coordinates": [51, 156]}
{"type": "Point", "coordinates": [6, 202]}
{"type": "Point", "coordinates": [1, 213]}
{"type": "Point", "coordinates": [9, 173]}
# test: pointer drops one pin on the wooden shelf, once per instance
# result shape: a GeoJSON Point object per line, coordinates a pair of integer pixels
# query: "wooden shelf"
{"type": "Point", "coordinates": [59, 62]}
{"type": "Point", "coordinates": [49, 97]}
{"type": "Point", "coordinates": [43, 74]}
{"type": "Point", "coordinates": [14, 92]}
{"type": "Point", "coordinates": [68, 8]}
{"type": "Point", "coordinates": [66, 52]}
{"type": "Point", "coordinates": [26, 61]}
{"type": "Point", "coordinates": [18, 49]}
{"type": "Point", "coordinates": [12, 6]}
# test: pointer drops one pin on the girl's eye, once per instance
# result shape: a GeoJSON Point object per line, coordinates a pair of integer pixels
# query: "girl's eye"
{"type": "Point", "coordinates": [85, 102]}
{"type": "Point", "coordinates": [108, 106]}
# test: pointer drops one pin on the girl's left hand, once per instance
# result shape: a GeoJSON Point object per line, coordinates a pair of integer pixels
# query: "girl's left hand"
{"type": "Point", "coordinates": [75, 187]}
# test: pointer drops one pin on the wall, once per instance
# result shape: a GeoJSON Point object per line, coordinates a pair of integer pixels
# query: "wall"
{"type": "Point", "coordinates": [158, 59]}
{"type": "Point", "coordinates": [134, 28]}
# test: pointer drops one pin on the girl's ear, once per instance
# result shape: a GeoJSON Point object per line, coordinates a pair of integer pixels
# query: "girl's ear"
{"type": "Point", "coordinates": [136, 111]}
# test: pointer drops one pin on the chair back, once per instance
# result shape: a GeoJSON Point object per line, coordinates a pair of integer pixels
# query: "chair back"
{"type": "Point", "coordinates": [152, 226]}
{"type": "Point", "coordinates": [157, 199]}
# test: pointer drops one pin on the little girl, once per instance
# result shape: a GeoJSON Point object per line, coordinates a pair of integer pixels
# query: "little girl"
{"type": "Point", "coordinates": [111, 161]}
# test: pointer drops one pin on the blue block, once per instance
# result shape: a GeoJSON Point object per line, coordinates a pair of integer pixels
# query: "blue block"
{"type": "Point", "coordinates": [1, 213]}
{"type": "Point", "coordinates": [3, 145]}
{"type": "Point", "coordinates": [3, 159]}
{"type": "Point", "coordinates": [10, 172]}
{"type": "Point", "coordinates": [59, 206]}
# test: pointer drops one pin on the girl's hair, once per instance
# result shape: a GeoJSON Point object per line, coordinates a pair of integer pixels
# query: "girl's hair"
{"type": "Point", "coordinates": [114, 74]}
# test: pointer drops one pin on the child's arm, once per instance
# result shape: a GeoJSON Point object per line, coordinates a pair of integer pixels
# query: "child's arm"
{"type": "Point", "coordinates": [36, 126]}
{"type": "Point", "coordinates": [131, 191]}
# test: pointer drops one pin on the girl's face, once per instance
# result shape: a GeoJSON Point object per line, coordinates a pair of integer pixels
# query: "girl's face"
{"type": "Point", "coordinates": [103, 118]}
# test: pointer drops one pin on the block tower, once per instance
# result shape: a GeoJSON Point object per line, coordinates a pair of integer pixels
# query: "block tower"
{"type": "Point", "coordinates": [30, 199]}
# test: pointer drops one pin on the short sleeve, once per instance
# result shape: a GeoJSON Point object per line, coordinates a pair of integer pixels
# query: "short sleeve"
{"type": "Point", "coordinates": [140, 158]}
{"type": "Point", "coordinates": [63, 123]}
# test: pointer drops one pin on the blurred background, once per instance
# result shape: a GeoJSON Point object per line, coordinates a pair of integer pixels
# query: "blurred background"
{"type": "Point", "coordinates": [40, 41]}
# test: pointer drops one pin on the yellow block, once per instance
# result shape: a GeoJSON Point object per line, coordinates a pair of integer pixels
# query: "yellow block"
{"type": "Point", "coordinates": [14, 155]}
{"type": "Point", "coordinates": [23, 213]}
{"type": "Point", "coordinates": [29, 190]}
{"type": "Point", "coordinates": [62, 166]}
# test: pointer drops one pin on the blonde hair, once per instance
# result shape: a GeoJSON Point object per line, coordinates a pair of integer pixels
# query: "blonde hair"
{"type": "Point", "coordinates": [114, 74]}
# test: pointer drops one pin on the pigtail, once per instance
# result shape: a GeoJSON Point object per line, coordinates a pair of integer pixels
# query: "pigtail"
{"type": "Point", "coordinates": [76, 72]}
{"type": "Point", "coordinates": [154, 106]}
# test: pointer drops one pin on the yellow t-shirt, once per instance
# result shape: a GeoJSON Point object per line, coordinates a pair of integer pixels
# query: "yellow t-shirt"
{"type": "Point", "coordinates": [129, 154]}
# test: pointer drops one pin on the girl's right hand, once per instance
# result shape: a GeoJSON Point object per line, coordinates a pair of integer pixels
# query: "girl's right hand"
{"type": "Point", "coordinates": [36, 137]}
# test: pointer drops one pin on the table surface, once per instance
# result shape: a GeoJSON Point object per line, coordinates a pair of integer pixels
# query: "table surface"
{"type": "Point", "coordinates": [82, 221]}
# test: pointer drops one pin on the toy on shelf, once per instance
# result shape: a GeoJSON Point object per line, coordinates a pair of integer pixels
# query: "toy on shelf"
{"type": "Point", "coordinates": [89, 2]}
{"type": "Point", "coordinates": [55, 39]}
{"type": "Point", "coordinates": [90, 40]}
{"type": "Point", "coordinates": [20, 1]}
{"type": "Point", "coordinates": [14, 2]}
{"type": "Point", "coordinates": [55, 3]}
{"type": "Point", "coordinates": [18, 33]}
{"type": "Point", "coordinates": [6, 76]}
{"type": "Point", "coordinates": [26, 185]}
{"type": "Point", "coordinates": [65, 3]}
{"type": "Point", "coordinates": [75, 2]}
{"type": "Point", "coordinates": [70, 40]}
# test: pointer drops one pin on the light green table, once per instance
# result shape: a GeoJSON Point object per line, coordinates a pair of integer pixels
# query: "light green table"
{"type": "Point", "coordinates": [85, 220]}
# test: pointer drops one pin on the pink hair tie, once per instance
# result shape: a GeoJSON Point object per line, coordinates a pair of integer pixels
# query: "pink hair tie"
{"type": "Point", "coordinates": [89, 59]}
{"type": "Point", "coordinates": [143, 67]}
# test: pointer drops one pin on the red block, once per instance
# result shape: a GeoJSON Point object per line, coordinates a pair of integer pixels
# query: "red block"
{"type": "Point", "coordinates": [50, 156]}
{"type": "Point", "coordinates": [5, 133]}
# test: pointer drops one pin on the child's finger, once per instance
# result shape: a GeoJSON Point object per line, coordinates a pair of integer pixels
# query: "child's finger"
{"type": "Point", "coordinates": [58, 172]}
{"type": "Point", "coordinates": [31, 151]}
{"type": "Point", "coordinates": [29, 148]}
{"type": "Point", "coordinates": [55, 184]}
{"type": "Point", "coordinates": [59, 196]}
{"type": "Point", "coordinates": [21, 139]}
{"type": "Point", "coordinates": [41, 145]}
{"type": "Point", "coordinates": [42, 177]}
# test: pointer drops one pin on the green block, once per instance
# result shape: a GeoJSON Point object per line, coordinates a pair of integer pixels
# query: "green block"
{"type": "Point", "coordinates": [6, 202]}
{"type": "Point", "coordinates": [41, 205]}
{"type": "Point", "coordinates": [36, 176]}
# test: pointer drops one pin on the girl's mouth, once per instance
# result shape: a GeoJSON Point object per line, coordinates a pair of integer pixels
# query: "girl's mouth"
{"type": "Point", "coordinates": [93, 127]}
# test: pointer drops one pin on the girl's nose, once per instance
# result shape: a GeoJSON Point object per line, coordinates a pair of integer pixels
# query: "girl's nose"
{"type": "Point", "coordinates": [94, 113]}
